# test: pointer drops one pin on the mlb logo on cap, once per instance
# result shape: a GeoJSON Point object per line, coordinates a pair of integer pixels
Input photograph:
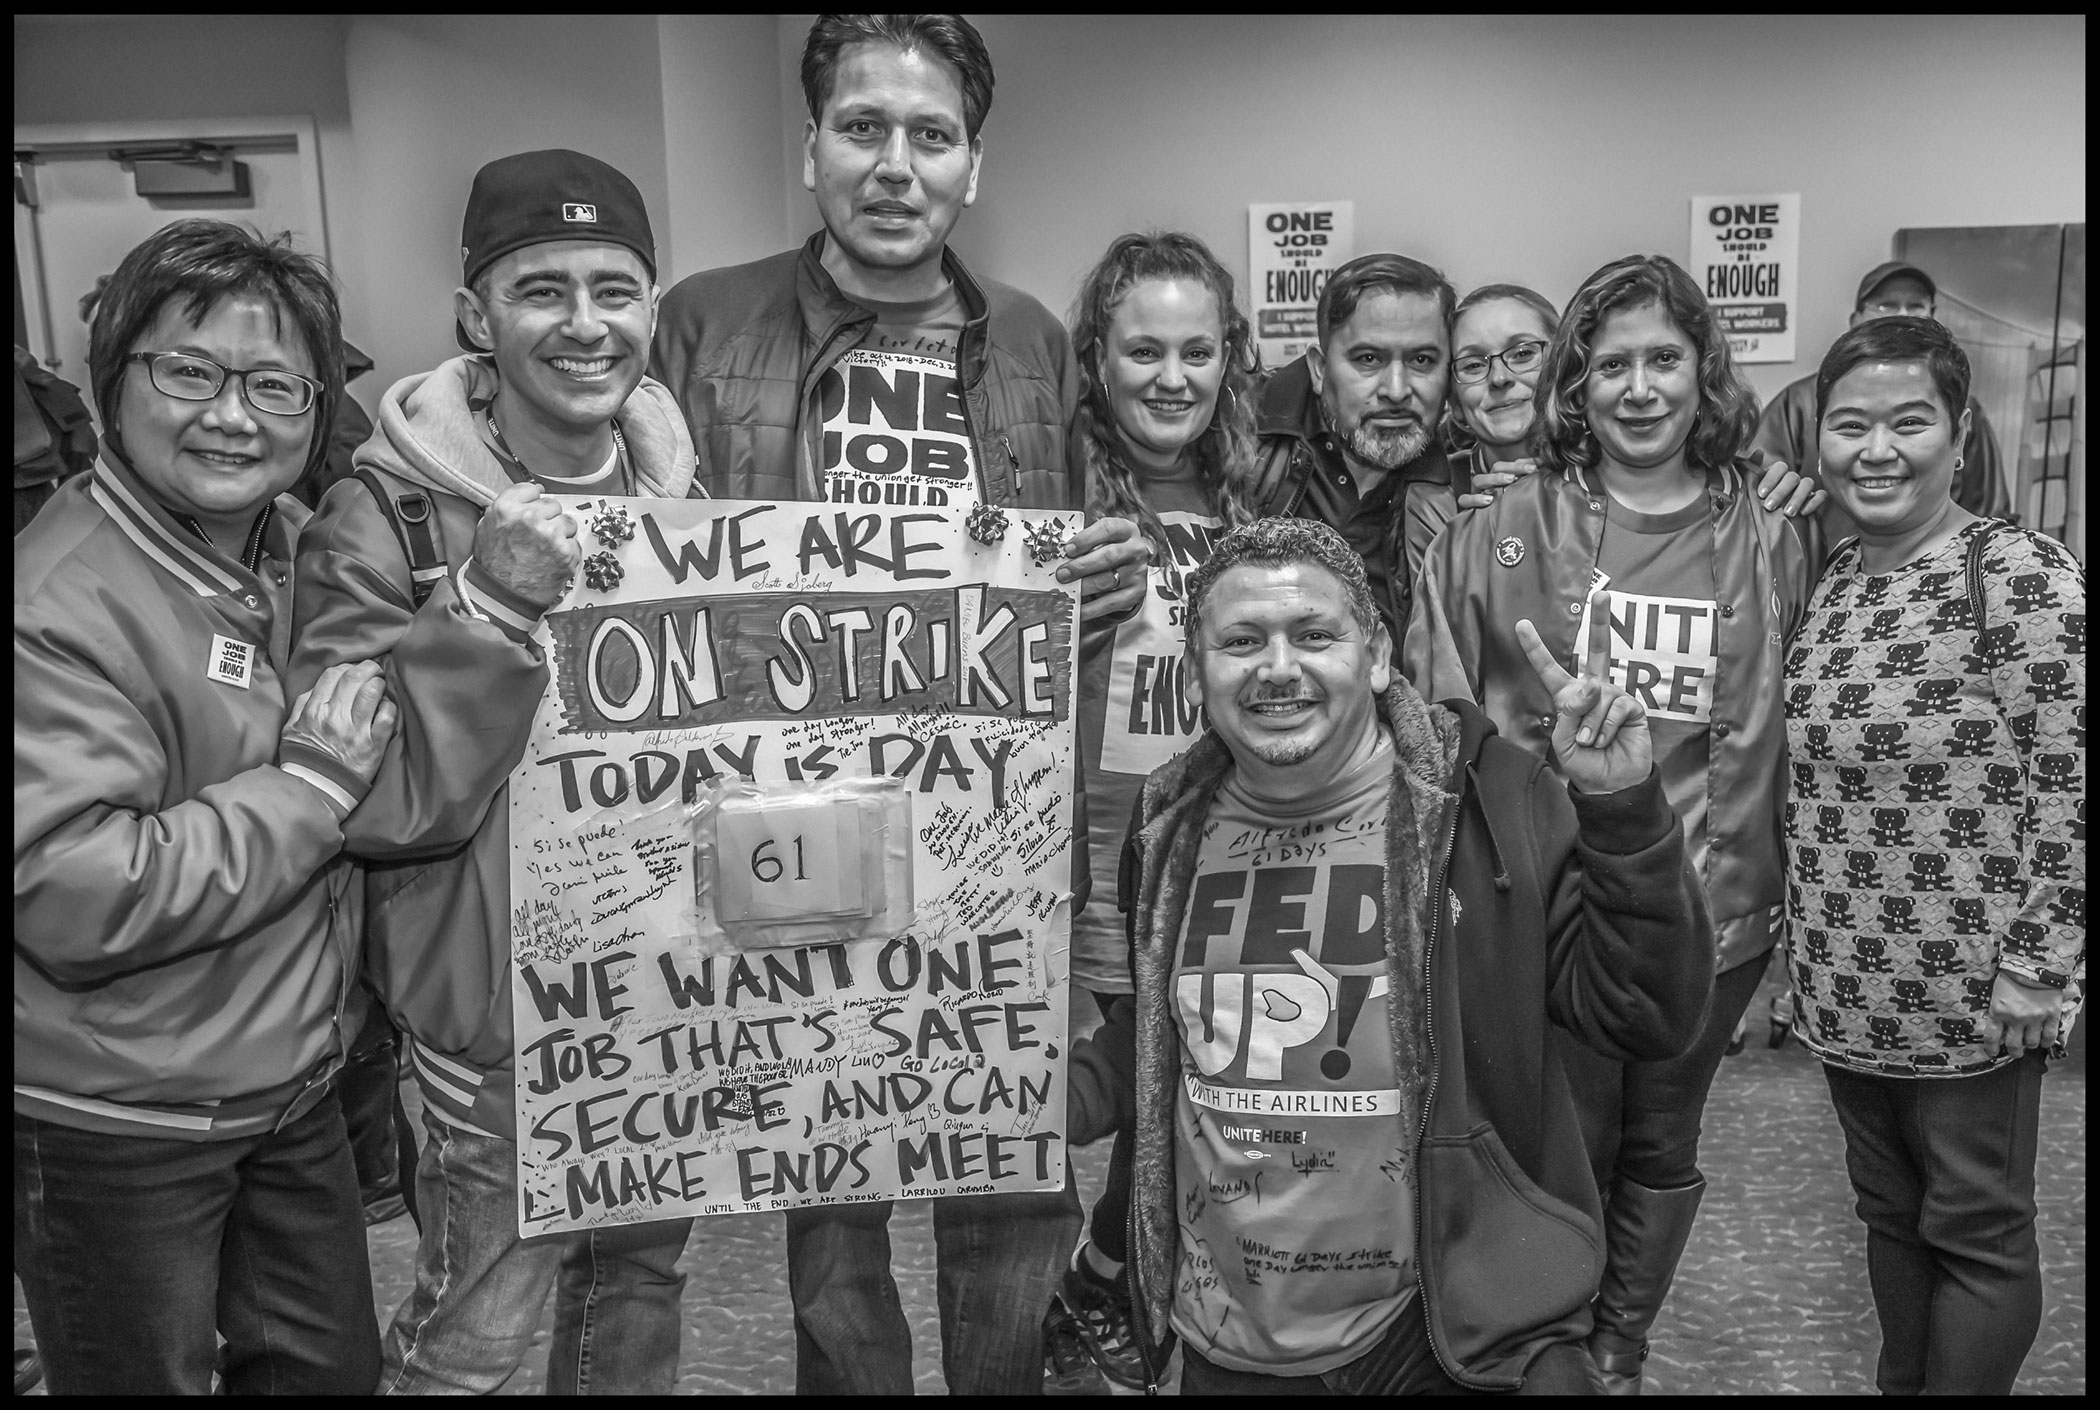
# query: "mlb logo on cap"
{"type": "Point", "coordinates": [578, 210]}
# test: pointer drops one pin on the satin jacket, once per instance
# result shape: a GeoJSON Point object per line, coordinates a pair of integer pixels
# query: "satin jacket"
{"type": "Point", "coordinates": [1529, 556]}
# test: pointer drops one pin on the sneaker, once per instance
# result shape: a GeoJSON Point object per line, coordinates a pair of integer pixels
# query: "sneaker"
{"type": "Point", "coordinates": [1067, 1368]}
{"type": "Point", "coordinates": [1099, 1308]}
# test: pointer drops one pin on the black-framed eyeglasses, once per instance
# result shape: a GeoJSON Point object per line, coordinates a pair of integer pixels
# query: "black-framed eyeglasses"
{"type": "Point", "coordinates": [1521, 357]}
{"type": "Point", "coordinates": [188, 377]}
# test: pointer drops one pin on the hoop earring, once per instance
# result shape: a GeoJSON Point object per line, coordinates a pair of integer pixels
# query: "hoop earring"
{"type": "Point", "coordinates": [1959, 462]}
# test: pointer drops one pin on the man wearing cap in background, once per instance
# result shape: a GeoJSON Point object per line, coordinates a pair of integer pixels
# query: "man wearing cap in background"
{"type": "Point", "coordinates": [792, 372]}
{"type": "Point", "coordinates": [1787, 430]}
{"type": "Point", "coordinates": [441, 557]}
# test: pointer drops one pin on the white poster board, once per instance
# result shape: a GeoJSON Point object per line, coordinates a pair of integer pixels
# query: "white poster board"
{"type": "Point", "coordinates": [675, 1055]}
{"type": "Point", "coordinates": [1746, 258]}
{"type": "Point", "coordinates": [1292, 249]}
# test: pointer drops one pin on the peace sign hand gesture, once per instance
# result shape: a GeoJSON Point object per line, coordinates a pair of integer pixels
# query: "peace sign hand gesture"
{"type": "Point", "coordinates": [1600, 733]}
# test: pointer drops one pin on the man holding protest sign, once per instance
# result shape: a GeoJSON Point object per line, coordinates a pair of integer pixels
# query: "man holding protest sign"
{"type": "Point", "coordinates": [1356, 919]}
{"type": "Point", "coordinates": [441, 555]}
{"type": "Point", "coordinates": [871, 367]}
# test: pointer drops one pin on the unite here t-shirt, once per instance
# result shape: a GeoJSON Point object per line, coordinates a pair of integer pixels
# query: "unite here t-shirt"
{"type": "Point", "coordinates": [1664, 650]}
{"type": "Point", "coordinates": [892, 411]}
{"type": "Point", "coordinates": [1293, 1178]}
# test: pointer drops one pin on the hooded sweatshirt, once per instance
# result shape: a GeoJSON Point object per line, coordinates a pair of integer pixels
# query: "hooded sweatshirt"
{"type": "Point", "coordinates": [467, 678]}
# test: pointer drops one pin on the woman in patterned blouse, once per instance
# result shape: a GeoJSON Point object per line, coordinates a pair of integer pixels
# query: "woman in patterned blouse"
{"type": "Point", "coordinates": [1936, 841]}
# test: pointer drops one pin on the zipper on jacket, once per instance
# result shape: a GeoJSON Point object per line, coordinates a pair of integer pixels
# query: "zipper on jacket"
{"type": "Point", "coordinates": [980, 453]}
{"type": "Point", "coordinates": [1137, 1305]}
{"type": "Point", "coordinates": [1436, 923]}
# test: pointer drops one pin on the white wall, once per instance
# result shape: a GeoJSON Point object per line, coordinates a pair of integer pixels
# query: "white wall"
{"type": "Point", "coordinates": [1500, 148]}
{"type": "Point", "coordinates": [721, 133]}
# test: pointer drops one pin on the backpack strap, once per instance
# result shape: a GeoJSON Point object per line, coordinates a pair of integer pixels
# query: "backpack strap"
{"type": "Point", "coordinates": [1972, 567]}
{"type": "Point", "coordinates": [414, 520]}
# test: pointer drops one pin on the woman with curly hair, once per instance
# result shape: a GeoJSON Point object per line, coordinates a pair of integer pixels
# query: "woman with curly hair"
{"type": "Point", "coordinates": [1166, 425]}
{"type": "Point", "coordinates": [1643, 528]}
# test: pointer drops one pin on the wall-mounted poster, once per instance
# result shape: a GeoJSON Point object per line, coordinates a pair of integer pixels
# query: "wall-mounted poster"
{"type": "Point", "coordinates": [1746, 257]}
{"type": "Point", "coordinates": [791, 863]}
{"type": "Point", "coordinates": [1292, 248]}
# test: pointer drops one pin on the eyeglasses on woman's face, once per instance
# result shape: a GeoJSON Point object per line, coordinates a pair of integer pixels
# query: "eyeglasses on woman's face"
{"type": "Point", "coordinates": [189, 377]}
{"type": "Point", "coordinates": [1520, 358]}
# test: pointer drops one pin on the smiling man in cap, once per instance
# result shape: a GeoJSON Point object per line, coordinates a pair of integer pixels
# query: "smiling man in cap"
{"type": "Point", "coordinates": [1787, 430]}
{"type": "Point", "coordinates": [441, 556]}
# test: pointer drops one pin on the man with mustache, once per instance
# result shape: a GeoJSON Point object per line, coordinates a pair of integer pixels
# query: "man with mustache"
{"type": "Point", "coordinates": [441, 556]}
{"type": "Point", "coordinates": [1349, 432]}
{"type": "Point", "coordinates": [1356, 922]}
{"type": "Point", "coordinates": [872, 367]}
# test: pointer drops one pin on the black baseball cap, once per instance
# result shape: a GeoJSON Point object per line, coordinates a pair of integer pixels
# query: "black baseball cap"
{"type": "Point", "coordinates": [1880, 274]}
{"type": "Point", "coordinates": [535, 197]}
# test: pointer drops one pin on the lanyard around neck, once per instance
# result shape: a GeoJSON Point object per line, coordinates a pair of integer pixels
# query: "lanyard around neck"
{"type": "Point", "coordinates": [515, 467]}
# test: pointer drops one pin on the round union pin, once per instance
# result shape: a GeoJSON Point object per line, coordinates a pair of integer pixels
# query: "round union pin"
{"type": "Point", "coordinates": [1510, 552]}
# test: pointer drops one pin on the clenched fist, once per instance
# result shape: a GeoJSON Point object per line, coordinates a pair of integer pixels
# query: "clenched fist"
{"type": "Point", "coordinates": [526, 543]}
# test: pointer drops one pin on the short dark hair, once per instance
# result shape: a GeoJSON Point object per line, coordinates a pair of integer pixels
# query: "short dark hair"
{"type": "Point", "coordinates": [950, 36]}
{"type": "Point", "coordinates": [1727, 407]}
{"type": "Point", "coordinates": [1384, 273]}
{"type": "Point", "coordinates": [1275, 543]}
{"type": "Point", "coordinates": [204, 263]}
{"type": "Point", "coordinates": [1899, 339]}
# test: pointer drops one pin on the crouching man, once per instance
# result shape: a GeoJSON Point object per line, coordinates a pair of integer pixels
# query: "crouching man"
{"type": "Point", "coordinates": [1354, 919]}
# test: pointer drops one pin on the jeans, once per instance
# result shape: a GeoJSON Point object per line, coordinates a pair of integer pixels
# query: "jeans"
{"type": "Point", "coordinates": [136, 1254]}
{"type": "Point", "coordinates": [479, 1287]}
{"type": "Point", "coordinates": [1401, 1364]}
{"type": "Point", "coordinates": [1944, 1171]}
{"type": "Point", "coordinates": [999, 1259]}
{"type": "Point", "coordinates": [1641, 1119]}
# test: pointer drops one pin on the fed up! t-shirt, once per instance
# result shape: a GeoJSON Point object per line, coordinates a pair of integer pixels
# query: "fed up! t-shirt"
{"type": "Point", "coordinates": [892, 409]}
{"type": "Point", "coordinates": [1134, 715]}
{"type": "Point", "coordinates": [1293, 1176]}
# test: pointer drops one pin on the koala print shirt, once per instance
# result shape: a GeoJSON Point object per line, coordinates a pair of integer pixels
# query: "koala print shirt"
{"type": "Point", "coordinates": [1935, 827]}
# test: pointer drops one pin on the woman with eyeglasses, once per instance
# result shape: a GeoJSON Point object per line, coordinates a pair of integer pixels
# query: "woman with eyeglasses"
{"type": "Point", "coordinates": [1641, 531]}
{"type": "Point", "coordinates": [1499, 334]}
{"type": "Point", "coordinates": [1166, 425]}
{"type": "Point", "coordinates": [186, 932]}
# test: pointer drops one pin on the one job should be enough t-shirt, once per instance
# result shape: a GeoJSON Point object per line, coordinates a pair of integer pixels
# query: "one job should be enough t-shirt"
{"type": "Point", "coordinates": [894, 428]}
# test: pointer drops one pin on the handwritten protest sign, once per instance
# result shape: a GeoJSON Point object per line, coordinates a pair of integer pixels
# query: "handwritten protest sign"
{"type": "Point", "coordinates": [790, 872]}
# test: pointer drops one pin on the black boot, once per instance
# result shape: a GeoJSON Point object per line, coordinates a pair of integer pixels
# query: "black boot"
{"type": "Point", "coordinates": [1644, 1235]}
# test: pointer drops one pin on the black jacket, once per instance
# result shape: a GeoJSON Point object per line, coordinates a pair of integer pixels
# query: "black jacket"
{"type": "Point", "coordinates": [1578, 913]}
